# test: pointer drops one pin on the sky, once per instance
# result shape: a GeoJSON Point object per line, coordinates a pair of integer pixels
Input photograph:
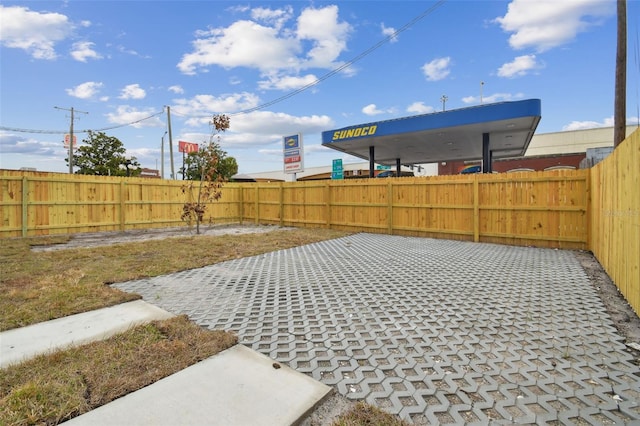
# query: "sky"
{"type": "Point", "coordinates": [282, 68]}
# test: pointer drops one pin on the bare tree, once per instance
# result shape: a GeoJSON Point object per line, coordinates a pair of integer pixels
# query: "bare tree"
{"type": "Point", "coordinates": [209, 187]}
{"type": "Point", "coordinates": [620, 106]}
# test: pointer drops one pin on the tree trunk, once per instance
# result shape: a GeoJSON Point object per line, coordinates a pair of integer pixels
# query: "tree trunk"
{"type": "Point", "coordinates": [620, 102]}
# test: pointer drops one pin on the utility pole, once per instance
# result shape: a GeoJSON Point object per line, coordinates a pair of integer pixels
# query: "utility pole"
{"type": "Point", "coordinates": [173, 173]}
{"type": "Point", "coordinates": [481, 86]}
{"type": "Point", "coordinates": [620, 98]}
{"type": "Point", "coordinates": [71, 135]}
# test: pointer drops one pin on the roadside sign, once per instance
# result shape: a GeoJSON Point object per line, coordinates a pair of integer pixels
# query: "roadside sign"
{"type": "Point", "coordinates": [67, 137]}
{"type": "Point", "coordinates": [293, 155]}
{"type": "Point", "coordinates": [187, 147]}
{"type": "Point", "coordinates": [337, 172]}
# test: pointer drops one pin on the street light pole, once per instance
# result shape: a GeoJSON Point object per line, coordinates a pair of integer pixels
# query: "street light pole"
{"type": "Point", "coordinates": [444, 99]}
{"type": "Point", "coordinates": [162, 155]}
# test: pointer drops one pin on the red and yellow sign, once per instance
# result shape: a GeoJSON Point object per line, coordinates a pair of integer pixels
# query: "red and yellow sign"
{"type": "Point", "coordinates": [187, 147]}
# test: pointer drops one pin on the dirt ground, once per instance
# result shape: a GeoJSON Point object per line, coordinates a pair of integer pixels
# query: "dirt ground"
{"type": "Point", "coordinates": [625, 319]}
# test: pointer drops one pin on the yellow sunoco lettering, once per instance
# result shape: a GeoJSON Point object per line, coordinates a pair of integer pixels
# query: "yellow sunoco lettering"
{"type": "Point", "coordinates": [354, 133]}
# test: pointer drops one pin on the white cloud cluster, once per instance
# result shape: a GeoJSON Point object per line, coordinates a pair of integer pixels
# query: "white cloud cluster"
{"type": "Point", "coordinates": [545, 24]}
{"type": "Point", "coordinates": [372, 109]}
{"type": "Point", "coordinates": [132, 91]}
{"type": "Point", "coordinates": [126, 114]}
{"type": "Point", "coordinates": [520, 66]}
{"type": "Point", "coordinates": [87, 90]}
{"type": "Point", "coordinates": [267, 44]}
{"type": "Point", "coordinates": [420, 108]}
{"type": "Point", "coordinates": [83, 50]}
{"type": "Point", "coordinates": [35, 32]}
{"type": "Point", "coordinates": [437, 69]}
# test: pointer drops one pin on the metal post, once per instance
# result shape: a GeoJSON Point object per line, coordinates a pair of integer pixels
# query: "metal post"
{"type": "Point", "coordinates": [162, 156]}
{"type": "Point", "coordinates": [173, 173]}
{"type": "Point", "coordinates": [372, 160]}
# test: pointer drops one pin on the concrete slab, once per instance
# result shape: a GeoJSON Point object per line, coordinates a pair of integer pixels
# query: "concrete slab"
{"type": "Point", "coordinates": [26, 342]}
{"type": "Point", "coordinates": [236, 387]}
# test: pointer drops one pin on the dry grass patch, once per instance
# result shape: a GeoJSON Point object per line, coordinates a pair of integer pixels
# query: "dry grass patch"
{"type": "Point", "coordinates": [367, 415]}
{"type": "Point", "coordinates": [53, 388]}
{"type": "Point", "coordinates": [39, 286]}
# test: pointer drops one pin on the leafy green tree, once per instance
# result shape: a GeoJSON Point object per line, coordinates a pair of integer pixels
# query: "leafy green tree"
{"type": "Point", "coordinates": [209, 156]}
{"type": "Point", "coordinates": [105, 156]}
{"type": "Point", "coordinates": [208, 187]}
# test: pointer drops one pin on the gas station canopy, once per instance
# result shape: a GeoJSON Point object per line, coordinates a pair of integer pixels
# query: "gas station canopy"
{"type": "Point", "coordinates": [484, 132]}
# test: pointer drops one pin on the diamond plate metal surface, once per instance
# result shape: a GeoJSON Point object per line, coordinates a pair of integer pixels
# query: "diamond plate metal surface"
{"type": "Point", "coordinates": [436, 331]}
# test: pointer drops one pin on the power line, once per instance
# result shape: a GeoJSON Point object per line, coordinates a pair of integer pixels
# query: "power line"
{"type": "Point", "coordinates": [326, 76]}
{"type": "Point", "coordinates": [347, 64]}
{"type": "Point", "coordinates": [63, 132]}
{"type": "Point", "coordinates": [335, 71]}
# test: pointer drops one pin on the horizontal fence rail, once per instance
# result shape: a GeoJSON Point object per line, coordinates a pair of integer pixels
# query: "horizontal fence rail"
{"type": "Point", "coordinates": [545, 209]}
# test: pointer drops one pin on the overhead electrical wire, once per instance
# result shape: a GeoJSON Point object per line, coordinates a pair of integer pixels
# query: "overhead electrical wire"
{"type": "Point", "coordinates": [62, 132]}
{"type": "Point", "coordinates": [324, 77]}
{"type": "Point", "coordinates": [335, 71]}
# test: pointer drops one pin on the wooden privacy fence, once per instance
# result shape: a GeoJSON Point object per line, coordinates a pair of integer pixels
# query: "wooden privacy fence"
{"type": "Point", "coordinates": [545, 209]}
{"type": "Point", "coordinates": [596, 209]}
{"type": "Point", "coordinates": [51, 203]}
{"type": "Point", "coordinates": [615, 217]}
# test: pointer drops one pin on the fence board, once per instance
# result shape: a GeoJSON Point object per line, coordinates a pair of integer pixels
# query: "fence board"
{"type": "Point", "coordinates": [615, 217]}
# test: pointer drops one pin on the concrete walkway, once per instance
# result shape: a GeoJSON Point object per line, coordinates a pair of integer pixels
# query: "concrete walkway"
{"type": "Point", "coordinates": [235, 387]}
{"type": "Point", "coordinates": [436, 331]}
{"type": "Point", "coordinates": [22, 343]}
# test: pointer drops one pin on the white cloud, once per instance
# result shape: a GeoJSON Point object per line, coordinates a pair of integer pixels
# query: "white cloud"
{"type": "Point", "coordinates": [242, 44]}
{"type": "Point", "coordinates": [287, 82]}
{"type": "Point", "coordinates": [126, 114]}
{"type": "Point", "coordinates": [85, 90]}
{"type": "Point", "coordinates": [199, 109]}
{"type": "Point", "coordinates": [437, 69]}
{"type": "Point", "coordinates": [420, 108]}
{"type": "Point", "coordinates": [177, 89]}
{"type": "Point", "coordinates": [389, 32]}
{"type": "Point", "coordinates": [328, 35]}
{"type": "Point", "coordinates": [264, 128]}
{"type": "Point", "coordinates": [264, 43]}
{"type": "Point", "coordinates": [581, 125]}
{"type": "Point", "coordinates": [83, 50]}
{"type": "Point", "coordinates": [11, 143]}
{"type": "Point", "coordinates": [496, 97]}
{"type": "Point", "coordinates": [545, 24]}
{"type": "Point", "coordinates": [519, 67]}
{"type": "Point", "coordinates": [372, 109]}
{"type": "Point", "coordinates": [34, 32]}
{"type": "Point", "coordinates": [278, 123]}
{"type": "Point", "coordinates": [275, 17]}
{"type": "Point", "coordinates": [132, 91]}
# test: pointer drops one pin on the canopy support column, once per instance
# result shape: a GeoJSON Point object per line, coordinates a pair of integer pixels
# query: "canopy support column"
{"type": "Point", "coordinates": [486, 153]}
{"type": "Point", "coordinates": [372, 161]}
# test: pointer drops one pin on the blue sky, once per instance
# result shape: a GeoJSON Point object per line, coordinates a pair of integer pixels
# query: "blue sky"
{"type": "Point", "coordinates": [124, 61]}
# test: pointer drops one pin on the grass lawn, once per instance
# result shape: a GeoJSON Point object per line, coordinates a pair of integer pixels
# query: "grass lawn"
{"type": "Point", "coordinates": [39, 286]}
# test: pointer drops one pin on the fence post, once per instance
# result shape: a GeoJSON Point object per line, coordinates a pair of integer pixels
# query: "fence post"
{"type": "Point", "coordinates": [389, 207]}
{"type": "Point", "coordinates": [25, 206]}
{"type": "Point", "coordinates": [327, 204]}
{"type": "Point", "coordinates": [241, 210]}
{"type": "Point", "coordinates": [281, 197]}
{"type": "Point", "coordinates": [257, 209]}
{"type": "Point", "coordinates": [122, 206]}
{"type": "Point", "coordinates": [476, 209]}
